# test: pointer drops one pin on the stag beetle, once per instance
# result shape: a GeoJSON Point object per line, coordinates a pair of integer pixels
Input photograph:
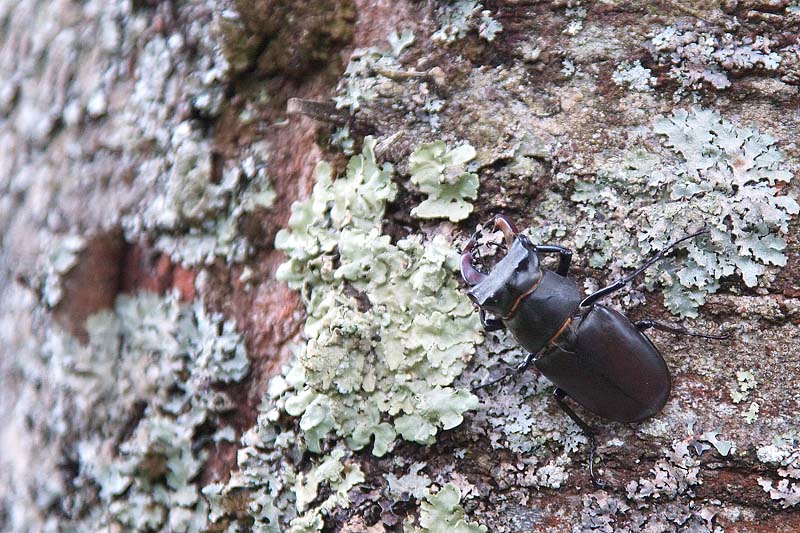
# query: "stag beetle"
{"type": "Point", "coordinates": [593, 354]}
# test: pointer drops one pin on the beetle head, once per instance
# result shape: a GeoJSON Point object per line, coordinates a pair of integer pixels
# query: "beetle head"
{"type": "Point", "coordinates": [499, 291]}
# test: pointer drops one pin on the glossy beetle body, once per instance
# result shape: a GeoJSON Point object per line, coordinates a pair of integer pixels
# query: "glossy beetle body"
{"type": "Point", "coordinates": [593, 354]}
{"type": "Point", "coordinates": [609, 367]}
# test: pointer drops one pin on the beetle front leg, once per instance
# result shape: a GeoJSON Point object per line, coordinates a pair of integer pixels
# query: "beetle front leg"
{"type": "Point", "coordinates": [564, 256]}
{"type": "Point", "coordinates": [491, 324]}
{"type": "Point", "coordinates": [523, 366]}
{"type": "Point", "coordinates": [509, 373]}
{"type": "Point", "coordinates": [559, 396]}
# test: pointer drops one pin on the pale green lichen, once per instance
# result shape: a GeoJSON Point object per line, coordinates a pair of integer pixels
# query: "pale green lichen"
{"type": "Point", "coordinates": [747, 382]}
{"type": "Point", "coordinates": [260, 494]}
{"type": "Point", "coordinates": [488, 27]}
{"type": "Point", "coordinates": [750, 414]}
{"type": "Point", "coordinates": [136, 397]}
{"type": "Point", "coordinates": [179, 73]}
{"type": "Point", "coordinates": [367, 69]}
{"type": "Point", "coordinates": [442, 175]}
{"type": "Point", "coordinates": [341, 139]}
{"type": "Point", "coordinates": [634, 75]}
{"type": "Point", "coordinates": [196, 219]}
{"type": "Point", "coordinates": [388, 329]}
{"type": "Point", "coordinates": [672, 476]}
{"type": "Point", "coordinates": [577, 17]}
{"type": "Point", "coordinates": [360, 81]}
{"type": "Point", "coordinates": [269, 492]}
{"type": "Point", "coordinates": [412, 484]}
{"type": "Point", "coordinates": [704, 441]}
{"type": "Point", "coordinates": [515, 415]}
{"type": "Point", "coordinates": [442, 513]}
{"type": "Point", "coordinates": [552, 475]}
{"type": "Point", "coordinates": [401, 41]}
{"type": "Point", "coordinates": [694, 57]}
{"type": "Point", "coordinates": [723, 447]}
{"type": "Point", "coordinates": [458, 18]}
{"type": "Point", "coordinates": [783, 453]}
{"type": "Point", "coordinates": [600, 512]}
{"type": "Point", "coordinates": [724, 179]}
{"type": "Point", "coordinates": [331, 472]}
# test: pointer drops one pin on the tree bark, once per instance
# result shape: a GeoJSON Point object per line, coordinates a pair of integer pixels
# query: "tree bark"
{"type": "Point", "coordinates": [113, 113]}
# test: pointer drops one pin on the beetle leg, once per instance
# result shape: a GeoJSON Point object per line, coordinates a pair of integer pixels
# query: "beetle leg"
{"type": "Point", "coordinates": [620, 283]}
{"type": "Point", "coordinates": [523, 366]}
{"type": "Point", "coordinates": [559, 396]}
{"type": "Point", "coordinates": [564, 256]}
{"type": "Point", "coordinates": [509, 373]}
{"type": "Point", "coordinates": [495, 381]}
{"type": "Point", "coordinates": [642, 325]}
{"type": "Point", "coordinates": [491, 324]}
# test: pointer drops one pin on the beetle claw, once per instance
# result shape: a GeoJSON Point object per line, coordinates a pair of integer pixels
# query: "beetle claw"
{"type": "Point", "coordinates": [507, 227]}
{"type": "Point", "coordinates": [471, 275]}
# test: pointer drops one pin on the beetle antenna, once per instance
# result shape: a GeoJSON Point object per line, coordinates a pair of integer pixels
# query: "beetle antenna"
{"type": "Point", "coordinates": [620, 283]}
{"type": "Point", "coordinates": [648, 323]}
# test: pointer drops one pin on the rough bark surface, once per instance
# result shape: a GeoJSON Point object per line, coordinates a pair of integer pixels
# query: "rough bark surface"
{"type": "Point", "coordinates": [114, 115]}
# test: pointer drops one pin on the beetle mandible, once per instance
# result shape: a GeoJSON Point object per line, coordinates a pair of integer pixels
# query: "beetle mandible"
{"type": "Point", "coordinates": [593, 354]}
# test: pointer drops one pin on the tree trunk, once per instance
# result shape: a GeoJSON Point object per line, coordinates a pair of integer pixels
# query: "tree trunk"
{"type": "Point", "coordinates": [154, 365]}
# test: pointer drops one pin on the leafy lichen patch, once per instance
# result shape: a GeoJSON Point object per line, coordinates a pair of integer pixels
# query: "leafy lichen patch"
{"type": "Point", "coordinates": [441, 173]}
{"type": "Point", "coordinates": [671, 477]}
{"type": "Point", "coordinates": [634, 75]}
{"type": "Point", "coordinates": [458, 18]}
{"type": "Point", "coordinates": [338, 477]}
{"type": "Point", "coordinates": [274, 490]}
{"type": "Point", "coordinates": [388, 329]}
{"type": "Point", "coordinates": [784, 453]}
{"type": "Point", "coordinates": [369, 69]}
{"type": "Point", "coordinates": [694, 57]}
{"type": "Point", "coordinates": [195, 218]}
{"type": "Point", "coordinates": [442, 513]}
{"type": "Point", "coordinates": [61, 257]}
{"type": "Point", "coordinates": [746, 382]}
{"type": "Point", "coordinates": [411, 483]}
{"type": "Point", "coordinates": [721, 178]}
{"type": "Point", "coordinates": [260, 494]}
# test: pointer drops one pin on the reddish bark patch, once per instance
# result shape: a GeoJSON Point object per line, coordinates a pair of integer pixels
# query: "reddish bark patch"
{"type": "Point", "coordinates": [92, 284]}
{"type": "Point", "coordinates": [375, 19]}
{"type": "Point", "coordinates": [217, 470]}
{"type": "Point", "coordinates": [732, 485]}
{"type": "Point", "coordinates": [144, 268]}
